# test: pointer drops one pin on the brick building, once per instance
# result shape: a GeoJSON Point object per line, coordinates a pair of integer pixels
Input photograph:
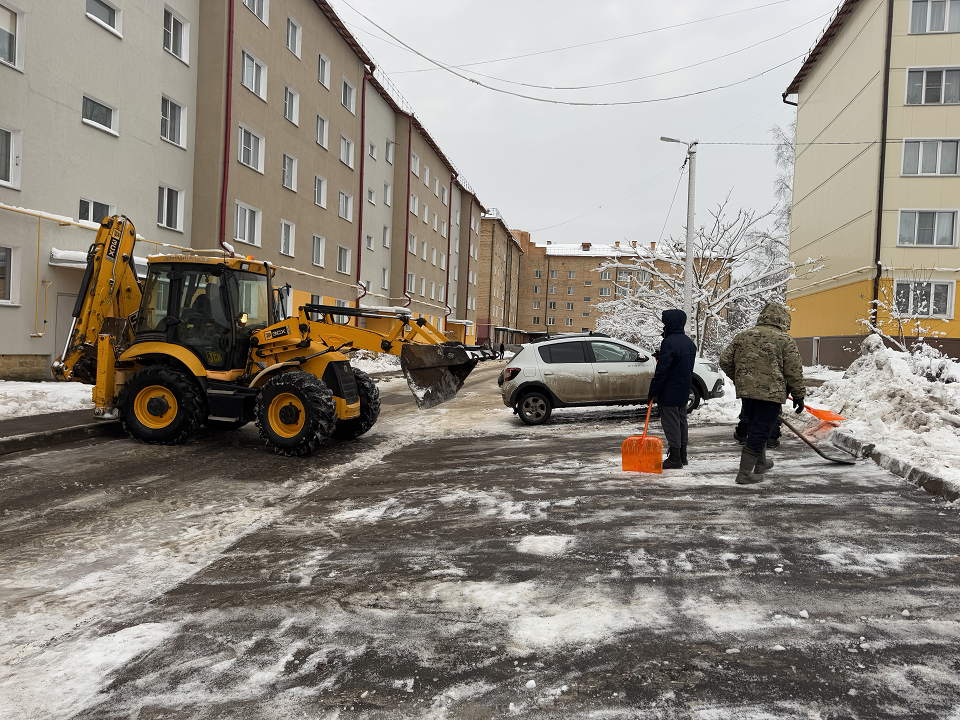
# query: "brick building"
{"type": "Point", "coordinates": [500, 263]}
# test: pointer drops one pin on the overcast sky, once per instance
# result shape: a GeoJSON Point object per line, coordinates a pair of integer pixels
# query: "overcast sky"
{"type": "Point", "coordinates": [544, 164]}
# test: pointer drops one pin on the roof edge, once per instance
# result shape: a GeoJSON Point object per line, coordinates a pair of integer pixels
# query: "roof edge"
{"type": "Point", "coordinates": [348, 37]}
{"type": "Point", "coordinates": [833, 29]}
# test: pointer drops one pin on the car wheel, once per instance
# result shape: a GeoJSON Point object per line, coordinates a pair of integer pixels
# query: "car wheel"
{"type": "Point", "coordinates": [693, 402]}
{"type": "Point", "coordinates": [534, 408]}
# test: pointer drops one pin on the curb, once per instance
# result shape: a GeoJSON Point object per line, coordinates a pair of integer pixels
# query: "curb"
{"type": "Point", "coordinates": [31, 441]}
{"type": "Point", "coordinates": [933, 484]}
{"type": "Point", "coordinates": [386, 375]}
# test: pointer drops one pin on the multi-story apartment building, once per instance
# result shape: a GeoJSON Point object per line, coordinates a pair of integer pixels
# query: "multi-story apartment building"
{"type": "Point", "coordinates": [98, 115]}
{"type": "Point", "coordinates": [466, 262]}
{"type": "Point", "coordinates": [876, 190]}
{"type": "Point", "coordinates": [498, 295]}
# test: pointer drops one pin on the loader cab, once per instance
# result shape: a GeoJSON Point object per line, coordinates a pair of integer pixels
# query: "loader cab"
{"type": "Point", "coordinates": [211, 308]}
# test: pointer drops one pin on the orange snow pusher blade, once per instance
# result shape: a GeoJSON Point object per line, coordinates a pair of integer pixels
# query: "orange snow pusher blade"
{"type": "Point", "coordinates": [825, 415]}
{"type": "Point", "coordinates": [641, 453]}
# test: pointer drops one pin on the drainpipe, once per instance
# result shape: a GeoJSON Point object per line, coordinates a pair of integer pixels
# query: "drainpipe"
{"type": "Point", "coordinates": [493, 236]}
{"type": "Point", "coordinates": [362, 195]}
{"type": "Point", "coordinates": [783, 96]}
{"type": "Point", "coordinates": [446, 296]}
{"type": "Point", "coordinates": [406, 226]}
{"type": "Point", "coordinates": [469, 257]}
{"type": "Point", "coordinates": [546, 295]}
{"type": "Point", "coordinates": [227, 132]}
{"type": "Point", "coordinates": [883, 158]}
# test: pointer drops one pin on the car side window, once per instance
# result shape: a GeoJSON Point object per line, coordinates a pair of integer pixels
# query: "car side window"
{"type": "Point", "coordinates": [567, 352]}
{"type": "Point", "coordinates": [612, 352]}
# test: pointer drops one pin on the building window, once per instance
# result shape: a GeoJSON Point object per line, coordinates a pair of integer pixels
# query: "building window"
{"type": "Point", "coordinates": [434, 222]}
{"type": "Point", "coordinates": [433, 256]}
{"type": "Point", "coordinates": [343, 260]}
{"type": "Point", "coordinates": [605, 275]}
{"type": "Point", "coordinates": [291, 105]}
{"type": "Point", "coordinates": [371, 196]}
{"type": "Point", "coordinates": [568, 322]}
{"type": "Point", "coordinates": [569, 289]}
{"type": "Point", "coordinates": [260, 8]}
{"type": "Point", "coordinates": [168, 208]}
{"type": "Point", "coordinates": [373, 151]}
{"type": "Point", "coordinates": [932, 16]}
{"type": "Point", "coordinates": [10, 51]}
{"type": "Point", "coordinates": [588, 283]}
{"type": "Point", "coordinates": [289, 176]}
{"type": "Point", "coordinates": [569, 306]}
{"type": "Point", "coordinates": [414, 204]}
{"type": "Point", "coordinates": [426, 175]}
{"type": "Point", "coordinates": [349, 96]}
{"type": "Point", "coordinates": [10, 157]}
{"type": "Point", "coordinates": [536, 320]}
{"type": "Point", "coordinates": [323, 131]}
{"type": "Point", "coordinates": [586, 314]}
{"type": "Point", "coordinates": [170, 121]}
{"type": "Point", "coordinates": [443, 228]}
{"type": "Point", "coordinates": [288, 237]}
{"type": "Point", "coordinates": [386, 236]}
{"type": "Point", "coordinates": [100, 115]}
{"type": "Point", "coordinates": [443, 261]}
{"type": "Point", "coordinates": [346, 206]}
{"type": "Point", "coordinates": [536, 289]}
{"type": "Point", "coordinates": [346, 151]}
{"type": "Point", "coordinates": [571, 274]}
{"type": "Point", "coordinates": [423, 287]}
{"type": "Point", "coordinates": [106, 14]}
{"type": "Point", "coordinates": [441, 293]}
{"type": "Point", "coordinates": [586, 298]}
{"type": "Point", "coordinates": [933, 87]}
{"type": "Point", "coordinates": [319, 250]}
{"type": "Point", "coordinates": [384, 279]}
{"type": "Point", "coordinates": [551, 321]}
{"type": "Point", "coordinates": [927, 227]}
{"type": "Point", "coordinates": [433, 290]}
{"type": "Point", "coordinates": [7, 278]}
{"type": "Point", "coordinates": [251, 149]}
{"type": "Point", "coordinates": [624, 275]}
{"type": "Point", "coordinates": [176, 36]}
{"type": "Point", "coordinates": [410, 282]}
{"type": "Point", "coordinates": [254, 76]}
{"type": "Point", "coordinates": [552, 305]}
{"type": "Point", "coordinates": [93, 211]}
{"type": "Point", "coordinates": [436, 186]}
{"type": "Point", "coordinates": [443, 195]}
{"type": "Point", "coordinates": [930, 157]}
{"type": "Point", "coordinates": [369, 242]}
{"type": "Point", "coordinates": [293, 36]}
{"type": "Point", "coordinates": [553, 289]}
{"type": "Point", "coordinates": [412, 244]}
{"type": "Point", "coordinates": [415, 164]}
{"type": "Point", "coordinates": [604, 292]}
{"type": "Point", "coordinates": [323, 70]}
{"type": "Point", "coordinates": [423, 249]}
{"type": "Point", "coordinates": [538, 273]}
{"type": "Point", "coordinates": [387, 194]}
{"type": "Point", "coordinates": [246, 224]}
{"type": "Point", "coordinates": [536, 304]}
{"type": "Point", "coordinates": [388, 151]}
{"type": "Point", "coordinates": [320, 191]}
{"type": "Point", "coordinates": [924, 298]}
{"type": "Point", "coordinates": [553, 274]}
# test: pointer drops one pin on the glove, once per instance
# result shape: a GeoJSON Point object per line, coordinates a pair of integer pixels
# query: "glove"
{"type": "Point", "coordinates": [798, 404]}
{"type": "Point", "coordinates": [651, 399]}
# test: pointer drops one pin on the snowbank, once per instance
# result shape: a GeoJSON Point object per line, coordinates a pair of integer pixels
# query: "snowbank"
{"type": "Point", "coordinates": [19, 399]}
{"type": "Point", "coordinates": [371, 362]}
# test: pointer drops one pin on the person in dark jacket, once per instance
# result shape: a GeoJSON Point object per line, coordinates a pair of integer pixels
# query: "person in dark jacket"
{"type": "Point", "coordinates": [671, 385]}
{"type": "Point", "coordinates": [502, 349]}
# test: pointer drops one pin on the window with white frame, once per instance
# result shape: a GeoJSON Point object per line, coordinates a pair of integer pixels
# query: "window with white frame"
{"type": "Point", "coordinates": [411, 279]}
{"type": "Point", "coordinates": [386, 236]}
{"type": "Point", "coordinates": [433, 256]}
{"type": "Point", "coordinates": [569, 306]}
{"type": "Point", "coordinates": [436, 187]}
{"type": "Point", "coordinates": [260, 8]}
{"type": "Point", "coordinates": [935, 16]}
{"type": "Point", "coordinates": [346, 206]}
{"type": "Point", "coordinates": [415, 164]}
{"type": "Point", "coordinates": [371, 196]}
{"type": "Point", "coordinates": [586, 314]}
{"type": "Point", "coordinates": [423, 249]}
{"type": "Point", "coordinates": [551, 321]}
{"type": "Point", "coordinates": [414, 204]}
{"type": "Point", "coordinates": [9, 277]}
{"type": "Point", "coordinates": [348, 97]}
{"type": "Point", "coordinates": [106, 14]}
{"type": "Point", "coordinates": [441, 292]}
{"type": "Point", "coordinates": [930, 157]}
{"type": "Point", "coordinates": [346, 151]}
{"type": "Point", "coordinates": [10, 141]}
{"type": "Point", "coordinates": [384, 279]}
{"type": "Point", "coordinates": [927, 228]}
{"type": "Point", "coordinates": [423, 287]}
{"type": "Point", "coordinates": [323, 70]}
{"type": "Point", "coordinates": [369, 242]}
{"type": "Point", "coordinates": [571, 274]}
{"type": "Point", "coordinates": [246, 223]}
{"type": "Point", "coordinates": [426, 212]}
{"type": "Point", "coordinates": [11, 49]}
{"type": "Point", "coordinates": [536, 319]}
{"type": "Point", "coordinates": [372, 151]}
{"type": "Point", "coordinates": [100, 115]}
{"type": "Point", "coordinates": [176, 35]}
{"type": "Point", "coordinates": [388, 194]}
{"type": "Point", "coordinates": [171, 115]}
{"type": "Point", "coordinates": [553, 289]}
{"type": "Point", "coordinates": [458, 218]}
{"type": "Point", "coordinates": [320, 191]}
{"type": "Point", "coordinates": [933, 86]}
{"type": "Point", "coordinates": [388, 151]}
{"type": "Point", "coordinates": [586, 298]}
{"type": "Point", "coordinates": [536, 304]}
{"type": "Point", "coordinates": [323, 131]}
{"type": "Point", "coordinates": [168, 208]}
{"type": "Point", "coordinates": [254, 77]}
{"type": "Point", "coordinates": [568, 322]}
{"type": "Point", "coordinates": [443, 228]}
{"type": "Point", "coordinates": [552, 305]}
{"type": "Point", "coordinates": [443, 261]}
{"type": "Point", "coordinates": [319, 250]}
{"type": "Point", "coordinates": [343, 260]}
{"type": "Point", "coordinates": [924, 298]}
{"type": "Point", "coordinates": [435, 222]}
{"type": "Point", "coordinates": [412, 244]}
{"type": "Point", "coordinates": [604, 292]}
{"type": "Point", "coordinates": [93, 211]}
{"type": "Point", "coordinates": [433, 290]}
{"type": "Point", "coordinates": [289, 172]}
{"type": "Point", "coordinates": [426, 175]}
{"type": "Point", "coordinates": [293, 36]}
{"type": "Point", "coordinates": [288, 238]}
{"type": "Point", "coordinates": [291, 105]}
{"type": "Point", "coordinates": [588, 283]}
{"type": "Point", "coordinates": [605, 275]}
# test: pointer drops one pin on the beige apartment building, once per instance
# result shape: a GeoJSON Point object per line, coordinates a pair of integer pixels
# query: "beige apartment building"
{"type": "Point", "coordinates": [876, 187]}
{"type": "Point", "coordinates": [500, 263]}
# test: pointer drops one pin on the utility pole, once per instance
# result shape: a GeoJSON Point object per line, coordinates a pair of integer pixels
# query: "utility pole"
{"type": "Point", "coordinates": [688, 255]}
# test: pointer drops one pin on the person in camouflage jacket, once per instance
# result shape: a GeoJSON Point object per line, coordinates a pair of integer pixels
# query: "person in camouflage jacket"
{"type": "Point", "coordinates": [765, 365]}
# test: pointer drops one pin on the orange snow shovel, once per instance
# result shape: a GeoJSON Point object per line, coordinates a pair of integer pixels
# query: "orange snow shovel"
{"type": "Point", "coordinates": [824, 415]}
{"type": "Point", "coordinates": [641, 453]}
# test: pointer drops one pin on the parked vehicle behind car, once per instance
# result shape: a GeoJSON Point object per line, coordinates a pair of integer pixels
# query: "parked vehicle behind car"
{"type": "Point", "coordinates": [582, 370]}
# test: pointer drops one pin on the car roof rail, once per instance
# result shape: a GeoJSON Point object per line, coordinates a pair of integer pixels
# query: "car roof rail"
{"type": "Point", "coordinates": [567, 336]}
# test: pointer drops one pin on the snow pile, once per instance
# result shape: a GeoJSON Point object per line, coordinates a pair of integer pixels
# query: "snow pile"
{"type": "Point", "coordinates": [723, 410]}
{"type": "Point", "coordinates": [934, 365]}
{"type": "Point", "coordinates": [374, 362]}
{"type": "Point", "coordinates": [902, 413]}
{"type": "Point", "coordinates": [19, 399]}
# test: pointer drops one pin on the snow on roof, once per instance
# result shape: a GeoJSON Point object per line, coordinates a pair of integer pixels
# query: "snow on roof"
{"type": "Point", "coordinates": [387, 309]}
{"type": "Point", "coordinates": [78, 258]}
{"type": "Point", "coordinates": [594, 250]}
{"type": "Point", "coordinates": [453, 321]}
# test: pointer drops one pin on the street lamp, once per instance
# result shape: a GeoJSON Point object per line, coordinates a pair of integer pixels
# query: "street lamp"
{"type": "Point", "coordinates": [688, 266]}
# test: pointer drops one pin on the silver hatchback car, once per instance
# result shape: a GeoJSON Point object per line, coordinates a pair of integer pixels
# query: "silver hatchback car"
{"type": "Point", "coordinates": [579, 370]}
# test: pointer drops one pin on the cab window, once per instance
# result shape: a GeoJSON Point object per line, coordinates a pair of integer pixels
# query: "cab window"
{"type": "Point", "coordinates": [155, 302]}
{"type": "Point", "coordinates": [567, 352]}
{"type": "Point", "coordinates": [607, 352]}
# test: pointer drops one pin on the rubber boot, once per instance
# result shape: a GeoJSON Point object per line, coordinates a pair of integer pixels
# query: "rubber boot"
{"type": "Point", "coordinates": [748, 461]}
{"type": "Point", "coordinates": [683, 454]}
{"type": "Point", "coordinates": [762, 463]}
{"type": "Point", "coordinates": [673, 461]}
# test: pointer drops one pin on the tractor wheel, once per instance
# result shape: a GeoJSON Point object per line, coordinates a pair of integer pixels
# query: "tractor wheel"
{"type": "Point", "coordinates": [160, 405]}
{"type": "Point", "coordinates": [295, 413]}
{"type": "Point", "coordinates": [369, 409]}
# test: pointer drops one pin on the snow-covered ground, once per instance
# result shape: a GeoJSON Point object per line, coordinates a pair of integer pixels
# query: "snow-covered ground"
{"type": "Point", "coordinates": [371, 362]}
{"type": "Point", "coordinates": [19, 399]}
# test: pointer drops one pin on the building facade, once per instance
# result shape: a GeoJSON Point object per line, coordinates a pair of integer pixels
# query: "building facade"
{"type": "Point", "coordinates": [876, 187]}
{"type": "Point", "coordinates": [498, 296]}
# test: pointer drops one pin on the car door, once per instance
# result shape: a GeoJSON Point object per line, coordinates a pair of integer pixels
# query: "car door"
{"type": "Point", "coordinates": [623, 372]}
{"type": "Point", "coordinates": [567, 371]}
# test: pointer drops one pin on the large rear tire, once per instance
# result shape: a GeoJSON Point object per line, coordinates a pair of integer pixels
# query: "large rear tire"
{"type": "Point", "coordinates": [160, 405]}
{"type": "Point", "coordinates": [534, 408]}
{"type": "Point", "coordinates": [369, 409]}
{"type": "Point", "coordinates": [295, 413]}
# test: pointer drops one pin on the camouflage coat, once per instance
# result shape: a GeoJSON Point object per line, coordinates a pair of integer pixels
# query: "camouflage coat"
{"type": "Point", "coordinates": [764, 362]}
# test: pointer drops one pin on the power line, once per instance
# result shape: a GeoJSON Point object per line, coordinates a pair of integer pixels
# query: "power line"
{"type": "Point", "coordinates": [670, 211]}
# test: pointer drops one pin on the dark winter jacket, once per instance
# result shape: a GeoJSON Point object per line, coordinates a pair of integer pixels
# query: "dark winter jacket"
{"type": "Point", "coordinates": [674, 376]}
{"type": "Point", "coordinates": [764, 362]}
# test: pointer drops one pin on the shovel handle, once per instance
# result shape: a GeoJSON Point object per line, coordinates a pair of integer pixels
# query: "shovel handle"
{"type": "Point", "coordinates": [817, 450]}
{"type": "Point", "coordinates": [649, 407]}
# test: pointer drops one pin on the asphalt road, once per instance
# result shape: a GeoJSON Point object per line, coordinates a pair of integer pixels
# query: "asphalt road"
{"type": "Point", "coordinates": [456, 564]}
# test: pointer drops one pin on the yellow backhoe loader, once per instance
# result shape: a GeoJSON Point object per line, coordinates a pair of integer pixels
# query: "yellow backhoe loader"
{"type": "Point", "coordinates": [204, 341]}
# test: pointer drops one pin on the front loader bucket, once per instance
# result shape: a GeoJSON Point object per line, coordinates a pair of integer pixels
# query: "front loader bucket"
{"type": "Point", "coordinates": [435, 373]}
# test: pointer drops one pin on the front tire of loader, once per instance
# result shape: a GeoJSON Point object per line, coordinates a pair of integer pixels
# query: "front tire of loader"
{"type": "Point", "coordinates": [369, 409]}
{"type": "Point", "coordinates": [295, 413]}
{"type": "Point", "coordinates": [160, 406]}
